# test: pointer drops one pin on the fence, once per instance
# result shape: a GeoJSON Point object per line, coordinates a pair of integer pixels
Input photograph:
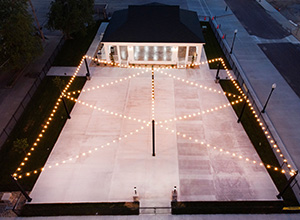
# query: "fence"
{"type": "Point", "coordinates": [18, 113]}
{"type": "Point", "coordinates": [247, 89]}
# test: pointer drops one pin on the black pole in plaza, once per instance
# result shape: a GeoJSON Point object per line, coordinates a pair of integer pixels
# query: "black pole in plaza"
{"type": "Point", "coordinates": [233, 40]}
{"type": "Point", "coordinates": [88, 75]}
{"type": "Point", "coordinates": [287, 185]}
{"type": "Point", "coordinates": [66, 108]}
{"type": "Point", "coordinates": [21, 189]}
{"type": "Point", "coordinates": [273, 87]}
{"type": "Point", "coordinates": [152, 72]}
{"type": "Point", "coordinates": [217, 75]}
{"type": "Point", "coordinates": [153, 138]}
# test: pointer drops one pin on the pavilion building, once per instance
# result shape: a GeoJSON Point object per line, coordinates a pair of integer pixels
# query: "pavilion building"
{"type": "Point", "coordinates": [153, 34]}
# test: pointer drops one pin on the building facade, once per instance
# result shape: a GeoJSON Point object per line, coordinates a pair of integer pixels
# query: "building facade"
{"type": "Point", "coordinates": [153, 34]}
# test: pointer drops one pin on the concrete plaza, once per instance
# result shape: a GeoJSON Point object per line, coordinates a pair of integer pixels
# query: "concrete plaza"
{"type": "Point", "coordinates": [105, 149]}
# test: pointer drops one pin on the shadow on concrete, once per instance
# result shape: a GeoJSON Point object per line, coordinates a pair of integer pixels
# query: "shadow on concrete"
{"type": "Point", "coordinates": [284, 57]}
{"type": "Point", "coordinates": [256, 20]}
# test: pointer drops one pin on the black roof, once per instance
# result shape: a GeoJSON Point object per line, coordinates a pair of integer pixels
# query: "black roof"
{"type": "Point", "coordinates": [154, 23]}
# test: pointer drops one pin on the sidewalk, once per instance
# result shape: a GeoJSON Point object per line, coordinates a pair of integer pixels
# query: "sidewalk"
{"type": "Point", "coordinates": [12, 97]}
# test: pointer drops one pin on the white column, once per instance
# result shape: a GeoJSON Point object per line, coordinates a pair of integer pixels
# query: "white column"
{"type": "Point", "coordinates": [199, 51]}
{"type": "Point", "coordinates": [130, 54]}
{"type": "Point", "coordinates": [187, 54]}
{"type": "Point", "coordinates": [107, 51]}
{"type": "Point", "coordinates": [119, 55]}
{"type": "Point", "coordinates": [175, 54]}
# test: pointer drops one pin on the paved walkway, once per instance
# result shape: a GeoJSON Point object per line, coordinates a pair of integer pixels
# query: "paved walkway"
{"type": "Point", "coordinates": [10, 98]}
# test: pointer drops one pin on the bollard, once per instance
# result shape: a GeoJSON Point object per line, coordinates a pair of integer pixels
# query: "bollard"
{"type": "Point", "coordinates": [174, 194]}
{"type": "Point", "coordinates": [135, 195]}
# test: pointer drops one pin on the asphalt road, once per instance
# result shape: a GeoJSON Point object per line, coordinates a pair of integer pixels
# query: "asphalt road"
{"type": "Point", "coordinates": [285, 57]}
{"type": "Point", "coordinates": [256, 20]}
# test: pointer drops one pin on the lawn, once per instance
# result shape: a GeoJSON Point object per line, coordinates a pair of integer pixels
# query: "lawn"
{"type": "Point", "coordinates": [212, 47]}
{"type": "Point", "coordinates": [74, 49]}
{"type": "Point", "coordinates": [29, 126]}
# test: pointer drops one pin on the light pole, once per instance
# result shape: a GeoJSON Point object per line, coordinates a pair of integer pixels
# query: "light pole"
{"type": "Point", "coordinates": [235, 32]}
{"type": "Point", "coordinates": [273, 87]}
{"type": "Point", "coordinates": [66, 108]}
{"type": "Point", "coordinates": [88, 75]}
{"type": "Point", "coordinates": [37, 22]}
{"type": "Point", "coordinates": [279, 196]}
{"type": "Point", "coordinates": [243, 109]}
{"type": "Point", "coordinates": [21, 188]}
{"type": "Point", "coordinates": [217, 74]}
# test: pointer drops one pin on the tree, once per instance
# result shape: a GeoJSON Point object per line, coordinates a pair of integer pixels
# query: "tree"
{"type": "Point", "coordinates": [19, 44]}
{"type": "Point", "coordinates": [70, 16]}
{"type": "Point", "coordinates": [20, 145]}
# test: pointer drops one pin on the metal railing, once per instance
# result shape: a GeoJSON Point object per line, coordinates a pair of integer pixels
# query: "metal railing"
{"type": "Point", "coordinates": [20, 109]}
{"type": "Point", "coordinates": [155, 210]}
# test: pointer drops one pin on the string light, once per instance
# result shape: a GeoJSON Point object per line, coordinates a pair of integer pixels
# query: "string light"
{"type": "Point", "coordinates": [195, 114]}
{"type": "Point", "coordinates": [113, 64]}
{"type": "Point", "coordinates": [223, 150]}
{"type": "Point", "coordinates": [195, 84]}
{"type": "Point", "coordinates": [153, 97]}
{"type": "Point", "coordinates": [48, 122]}
{"type": "Point", "coordinates": [188, 82]}
{"type": "Point", "coordinates": [106, 111]}
{"type": "Point", "coordinates": [261, 124]}
{"type": "Point", "coordinates": [124, 79]}
{"type": "Point", "coordinates": [83, 154]}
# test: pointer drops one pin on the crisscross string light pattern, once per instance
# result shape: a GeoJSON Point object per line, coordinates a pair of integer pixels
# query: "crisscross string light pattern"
{"type": "Point", "coordinates": [241, 97]}
{"type": "Point", "coordinates": [47, 123]}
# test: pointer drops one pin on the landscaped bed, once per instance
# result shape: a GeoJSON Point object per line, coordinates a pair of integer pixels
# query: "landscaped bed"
{"type": "Point", "coordinates": [117, 208]}
{"type": "Point", "coordinates": [74, 49]}
{"type": "Point", "coordinates": [212, 47]}
{"type": "Point", "coordinates": [29, 126]}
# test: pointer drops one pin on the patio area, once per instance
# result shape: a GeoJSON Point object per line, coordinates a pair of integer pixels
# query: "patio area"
{"type": "Point", "coordinates": [105, 150]}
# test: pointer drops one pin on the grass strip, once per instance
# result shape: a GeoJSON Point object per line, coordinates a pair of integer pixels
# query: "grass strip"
{"type": "Point", "coordinates": [227, 207]}
{"type": "Point", "coordinates": [212, 47]}
{"type": "Point", "coordinates": [74, 49]}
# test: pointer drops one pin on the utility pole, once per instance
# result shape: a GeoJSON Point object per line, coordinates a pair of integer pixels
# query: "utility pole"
{"type": "Point", "coordinates": [37, 22]}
